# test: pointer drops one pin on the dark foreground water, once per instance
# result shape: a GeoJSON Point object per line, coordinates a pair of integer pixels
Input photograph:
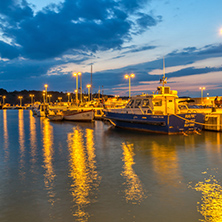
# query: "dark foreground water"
{"type": "Point", "coordinates": [90, 172]}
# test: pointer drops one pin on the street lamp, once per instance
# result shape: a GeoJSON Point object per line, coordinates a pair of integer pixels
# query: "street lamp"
{"type": "Point", "coordinates": [88, 86]}
{"type": "Point", "coordinates": [49, 96]}
{"type": "Point", "coordinates": [31, 95]}
{"type": "Point", "coordinates": [68, 94]}
{"type": "Point", "coordinates": [43, 95]}
{"type": "Point", "coordinates": [76, 75]}
{"type": "Point", "coordinates": [20, 98]}
{"type": "Point", "coordinates": [60, 99]}
{"type": "Point", "coordinates": [80, 74]}
{"type": "Point", "coordinates": [129, 77]}
{"type": "Point", "coordinates": [3, 97]}
{"type": "Point", "coordinates": [46, 86]}
{"type": "Point", "coordinates": [202, 89]}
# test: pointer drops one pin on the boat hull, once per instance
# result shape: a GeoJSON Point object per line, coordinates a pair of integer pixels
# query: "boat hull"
{"type": "Point", "coordinates": [164, 124]}
{"type": "Point", "coordinates": [79, 115]}
{"type": "Point", "coordinates": [55, 117]}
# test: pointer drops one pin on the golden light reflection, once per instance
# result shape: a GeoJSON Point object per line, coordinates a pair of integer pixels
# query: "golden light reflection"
{"type": "Point", "coordinates": [33, 140]}
{"type": "Point", "coordinates": [134, 191]}
{"type": "Point", "coordinates": [21, 141]}
{"type": "Point", "coordinates": [48, 159]}
{"type": "Point", "coordinates": [211, 202]}
{"type": "Point", "coordinates": [213, 142]}
{"type": "Point", "coordinates": [5, 129]}
{"type": "Point", "coordinates": [165, 164]}
{"type": "Point", "coordinates": [82, 171]}
{"type": "Point", "coordinates": [94, 178]}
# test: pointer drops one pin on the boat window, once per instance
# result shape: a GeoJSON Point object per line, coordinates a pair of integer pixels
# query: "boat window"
{"type": "Point", "coordinates": [145, 103]}
{"type": "Point", "coordinates": [182, 107]}
{"type": "Point", "coordinates": [137, 103]}
{"type": "Point", "coordinates": [130, 103]}
{"type": "Point", "coordinates": [157, 102]}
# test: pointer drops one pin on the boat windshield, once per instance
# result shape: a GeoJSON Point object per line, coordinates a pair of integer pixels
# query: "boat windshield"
{"type": "Point", "coordinates": [130, 104]}
{"type": "Point", "coordinates": [137, 103]}
{"type": "Point", "coordinates": [145, 103]}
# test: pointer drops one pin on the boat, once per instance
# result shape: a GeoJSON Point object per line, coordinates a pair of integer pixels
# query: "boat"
{"type": "Point", "coordinates": [55, 117]}
{"type": "Point", "coordinates": [79, 115]}
{"type": "Point", "coordinates": [156, 113]}
{"type": "Point", "coordinates": [40, 110]}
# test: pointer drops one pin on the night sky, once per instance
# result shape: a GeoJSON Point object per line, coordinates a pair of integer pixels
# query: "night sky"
{"type": "Point", "coordinates": [44, 42]}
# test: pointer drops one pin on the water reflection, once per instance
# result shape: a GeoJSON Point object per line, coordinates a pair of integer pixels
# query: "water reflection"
{"type": "Point", "coordinates": [211, 201]}
{"type": "Point", "coordinates": [33, 147]}
{"type": "Point", "coordinates": [48, 159]}
{"type": "Point", "coordinates": [82, 171]}
{"type": "Point", "coordinates": [213, 139]}
{"type": "Point", "coordinates": [21, 142]}
{"type": "Point", "coordinates": [166, 164]}
{"type": "Point", "coordinates": [134, 190]}
{"type": "Point", "coordinates": [5, 129]}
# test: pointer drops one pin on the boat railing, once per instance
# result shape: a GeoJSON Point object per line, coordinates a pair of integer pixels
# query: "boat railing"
{"type": "Point", "coordinates": [131, 111]}
{"type": "Point", "coordinates": [141, 110]}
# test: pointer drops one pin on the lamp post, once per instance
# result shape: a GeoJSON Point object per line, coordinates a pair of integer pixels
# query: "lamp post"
{"type": "Point", "coordinates": [46, 86]}
{"type": "Point", "coordinates": [60, 99]}
{"type": "Point", "coordinates": [80, 74]}
{"type": "Point", "coordinates": [88, 86]}
{"type": "Point", "coordinates": [49, 96]}
{"type": "Point", "coordinates": [31, 95]}
{"type": "Point", "coordinates": [129, 77]}
{"type": "Point", "coordinates": [43, 95]}
{"type": "Point", "coordinates": [68, 94]}
{"type": "Point", "coordinates": [202, 89]}
{"type": "Point", "coordinates": [20, 98]}
{"type": "Point", "coordinates": [76, 75]}
{"type": "Point", "coordinates": [3, 97]}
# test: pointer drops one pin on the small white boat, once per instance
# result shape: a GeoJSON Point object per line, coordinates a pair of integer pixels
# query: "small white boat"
{"type": "Point", "coordinates": [41, 110]}
{"type": "Point", "coordinates": [79, 115]}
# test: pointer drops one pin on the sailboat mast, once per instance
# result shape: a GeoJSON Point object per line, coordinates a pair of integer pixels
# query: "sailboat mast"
{"type": "Point", "coordinates": [91, 83]}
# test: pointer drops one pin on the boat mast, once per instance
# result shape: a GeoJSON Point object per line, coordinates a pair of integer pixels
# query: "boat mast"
{"type": "Point", "coordinates": [164, 79]}
{"type": "Point", "coordinates": [91, 83]}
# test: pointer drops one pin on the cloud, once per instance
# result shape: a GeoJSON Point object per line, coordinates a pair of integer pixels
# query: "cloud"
{"type": "Point", "coordinates": [140, 48]}
{"type": "Point", "coordinates": [8, 51]}
{"type": "Point", "coordinates": [15, 11]}
{"type": "Point", "coordinates": [86, 26]}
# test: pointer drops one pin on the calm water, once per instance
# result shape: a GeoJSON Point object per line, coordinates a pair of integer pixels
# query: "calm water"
{"type": "Point", "coordinates": [91, 172]}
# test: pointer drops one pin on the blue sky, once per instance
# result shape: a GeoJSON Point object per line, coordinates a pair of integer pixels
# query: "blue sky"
{"type": "Point", "coordinates": [44, 41]}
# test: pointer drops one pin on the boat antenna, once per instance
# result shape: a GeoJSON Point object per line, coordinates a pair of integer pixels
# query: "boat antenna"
{"type": "Point", "coordinates": [164, 79]}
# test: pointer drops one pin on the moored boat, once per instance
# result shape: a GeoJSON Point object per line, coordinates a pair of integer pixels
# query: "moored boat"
{"type": "Point", "coordinates": [79, 115]}
{"type": "Point", "coordinates": [55, 117]}
{"type": "Point", "coordinates": [156, 113]}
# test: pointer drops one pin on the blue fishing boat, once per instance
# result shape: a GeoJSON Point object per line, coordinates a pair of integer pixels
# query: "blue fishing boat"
{"type": "Point", "coordinates": [156, 113]}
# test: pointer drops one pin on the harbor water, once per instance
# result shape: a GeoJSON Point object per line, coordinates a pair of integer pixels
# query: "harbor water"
{"type": "Point", "coordinates": [69, 171]}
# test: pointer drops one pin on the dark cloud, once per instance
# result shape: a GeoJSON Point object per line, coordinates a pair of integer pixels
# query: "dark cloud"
{"type": "Point", "coordinates": [145, 21]}
{"type": "Point", "coordinates": [211, 50]}
{"type": "Point", "coordinates": [8, 51]}
{"type": "Point", "coordinates": [88, 26]}
{"type": "Point", "coordinates": [15, 11]}
{"type": "Point", "coordinates": [139, 49]}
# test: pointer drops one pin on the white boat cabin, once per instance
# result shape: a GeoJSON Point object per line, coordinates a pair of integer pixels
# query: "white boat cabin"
{"type": "Point", "coordinates": [162, 103]}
